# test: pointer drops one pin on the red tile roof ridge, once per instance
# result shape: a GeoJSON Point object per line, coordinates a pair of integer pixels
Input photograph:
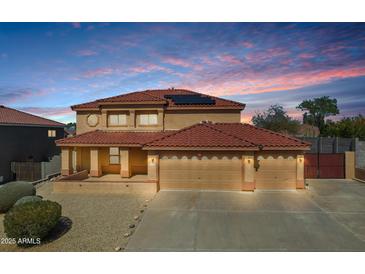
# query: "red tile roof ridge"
{"type": "Point", "coordinates": [211, 125]}
{"type": "Point", "coordinates": [174, 133]}
{"type": "Point", "coordinates": [53, 123]}
{"type": "Point", "coordinates": [279, 134]}
{"type": "Point", "coordinates": [268, 131]}
{"type": "Point", "coordinates": [206, 124]}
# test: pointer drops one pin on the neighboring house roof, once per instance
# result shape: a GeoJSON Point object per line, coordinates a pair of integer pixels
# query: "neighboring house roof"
{"type": "Point", "coordinates": [205, 135]}
{"type": "Point", "coordinates": [158, 97]}
{"type": "Point", "coordinates": [100, 137]}
{"type": "Point", "coordinates": [9, 116]}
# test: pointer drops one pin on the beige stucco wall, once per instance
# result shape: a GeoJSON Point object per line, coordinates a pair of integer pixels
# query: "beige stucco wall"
{"type": "Point", "coordinates": [181, 119]}
{"type": "Point", "coordinates": [349, 164]}
{"type": "Point", "coordinates": [138, 158]}
{"type": "Point", "coordinates": [105, 166]}
{"type": "Point", "coordinates": [133, 118]}
{"type": "Point", "coordinates": [166, 119]}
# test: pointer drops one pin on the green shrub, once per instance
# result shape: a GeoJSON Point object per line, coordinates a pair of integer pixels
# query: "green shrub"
{"type": "Point", "coordinates": [12, 192]}
{"type": "Point", "coordinates": [27, 199]}
{"type": "Point", "coordinates": [32, 220]}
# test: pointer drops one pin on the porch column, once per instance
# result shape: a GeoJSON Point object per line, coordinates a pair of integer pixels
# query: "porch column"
{"type": "Point", "coordinates": [248, 172]}
{"type": "Point", "coordinates": [95, 165]}
{"type": "Point", "coordinates": [66, 161]}
{"type": "Point", "coordinates": [125, 166]}
{"type": "Point", "coordinates": [78, 158]}
{"type": "Point", "coordinates": [153, 159]}
{"type": "Point", "coordinates": [300, 171]}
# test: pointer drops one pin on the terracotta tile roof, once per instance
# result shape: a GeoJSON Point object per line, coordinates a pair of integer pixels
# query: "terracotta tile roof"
{"type": "Point", "coordinates": [259, 136]}
{"type": "Point", "coordinates": [158, 96]}
{"type": "Point", "coordinates": [203, 135]}
{"type": "Point", "coordinates": [226, 135]}
{"type": "Point", "coordinates": [99, 137]}
{"type": "Point", "coordinates": [15, 117]}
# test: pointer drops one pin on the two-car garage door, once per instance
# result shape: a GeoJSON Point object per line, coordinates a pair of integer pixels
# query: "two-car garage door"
{"type": "Point", "coordinates": [206, 170]}
{"type": "Point", "coordinates": [209, 170]}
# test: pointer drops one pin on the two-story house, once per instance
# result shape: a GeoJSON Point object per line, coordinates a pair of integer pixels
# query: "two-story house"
{"type": "Point", "coordinates": [179, 139]}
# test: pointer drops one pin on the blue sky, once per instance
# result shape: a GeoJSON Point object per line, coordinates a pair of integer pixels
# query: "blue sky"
{"type": "Point", "coordinates": [47, 67]}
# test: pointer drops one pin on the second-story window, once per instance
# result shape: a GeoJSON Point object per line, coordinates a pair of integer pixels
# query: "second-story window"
{"type": "Point", "coordinates": [148, 119]}
{"type": "Point", "coordinates": [117, 119]}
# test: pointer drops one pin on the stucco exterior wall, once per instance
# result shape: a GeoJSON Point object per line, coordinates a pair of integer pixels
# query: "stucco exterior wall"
{"type": "Point", "coordinates": [138, 158]}
{"type": "Point", "coordinates": [167, 119]}
{"type": "Point", "coordinates": [180, 119]}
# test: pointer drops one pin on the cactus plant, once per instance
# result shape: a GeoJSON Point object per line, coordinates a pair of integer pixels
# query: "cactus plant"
{"type": "Point", "coordinates": [31, 221]}
{"type": "Point", "coordinates": [27, 199]}
{"type": "Point", "coordinates": [11, 192]}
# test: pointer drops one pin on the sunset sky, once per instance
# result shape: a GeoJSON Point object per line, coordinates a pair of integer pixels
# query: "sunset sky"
{"type": "Point", "coordinates": [47, 67]}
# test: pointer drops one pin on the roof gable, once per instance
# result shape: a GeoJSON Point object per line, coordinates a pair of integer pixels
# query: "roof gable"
{"type": "Point", "coordinates": [9, 116]}
{"type": "Point", "coordinates": [201, 135]}
{"type": "Point", "coordinates": [158, 96]}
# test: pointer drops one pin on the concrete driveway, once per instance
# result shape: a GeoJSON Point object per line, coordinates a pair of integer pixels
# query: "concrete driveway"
{"type": "Point", "coordinates": [328, 216]}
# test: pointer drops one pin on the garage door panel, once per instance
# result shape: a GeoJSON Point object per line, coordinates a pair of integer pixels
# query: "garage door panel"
{"type": "Point", "coordinates": [206, 172]}
{"type": "Point", "coordinates": [276, 172]}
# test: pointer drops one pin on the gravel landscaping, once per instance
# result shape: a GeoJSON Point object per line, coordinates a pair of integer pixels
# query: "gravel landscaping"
{"type": "Point", "coordinates": [100, 222]}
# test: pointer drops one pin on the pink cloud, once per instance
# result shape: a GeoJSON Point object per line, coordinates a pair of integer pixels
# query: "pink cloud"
{"type": "Point", "coordinates": [247, 44]}
{"type": "Point", "coordinates": [177, 62]}
{"type": "Point", "coordinates": [227, 58]}
{"type": "Point", "coordinates": [149, 67]}
{"type": "Point", "coordinates": [252, 83]}
{"type": "Point", "coordinates": [98, 72]}
{"type": "Point", "coordinates": [306, 55]}
{"type": "Point", "coordinates": [86, 52]}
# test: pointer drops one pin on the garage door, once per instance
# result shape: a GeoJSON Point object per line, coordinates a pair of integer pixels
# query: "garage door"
{"type": "Point", "coordinates": [276, 171]}
{"type": "Point", "coordinates": [204, 170]}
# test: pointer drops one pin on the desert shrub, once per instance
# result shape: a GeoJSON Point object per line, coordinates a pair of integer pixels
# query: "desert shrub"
{"type": "Point", "coordinates": [32, 220]}
{"type": "Point", "coordinates": [12, 192]}
{"type": "Point", "coordinates": [27, 199]}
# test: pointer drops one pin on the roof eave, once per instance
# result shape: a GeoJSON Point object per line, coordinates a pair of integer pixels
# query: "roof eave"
{"type": "Point", "coordinates": [200, 148]}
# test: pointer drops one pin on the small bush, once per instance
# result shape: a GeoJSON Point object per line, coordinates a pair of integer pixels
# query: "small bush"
{"type": "Point", "coordinates": [27, 199]}
{"type": "Point", "coordinates": [12, 192]}
{"type": "Point", "coordinates": [32, 220]}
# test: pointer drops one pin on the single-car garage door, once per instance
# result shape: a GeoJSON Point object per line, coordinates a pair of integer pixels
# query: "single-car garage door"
{"type": "Point", "coordinates": [203, 170]}
{"type": "Point", "coordinates": [276, 171]}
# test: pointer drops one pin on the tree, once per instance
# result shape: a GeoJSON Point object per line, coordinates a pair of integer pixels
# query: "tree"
{"type": "Point", "coordinates": [70, 126]}
{"type": "Point", "coordinates": [349, 127]}
{"type": "Point", "coordinates": [276, 119]}
{"type": "Point", "coordinates": [317, 110]}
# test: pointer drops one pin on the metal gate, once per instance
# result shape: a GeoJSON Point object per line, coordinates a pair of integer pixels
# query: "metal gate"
{"type": "Point", "coordinates": [324, 166]}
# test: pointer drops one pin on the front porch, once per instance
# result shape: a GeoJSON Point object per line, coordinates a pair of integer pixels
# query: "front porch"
{"type": "Point", "coordinates": [108, 170]}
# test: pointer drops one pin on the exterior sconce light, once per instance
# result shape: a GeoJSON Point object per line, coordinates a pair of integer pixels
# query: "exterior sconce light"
{"type": "Point", "coordinates": [152, 160]}
{"type": "Point", "coordinates": [249, 161]}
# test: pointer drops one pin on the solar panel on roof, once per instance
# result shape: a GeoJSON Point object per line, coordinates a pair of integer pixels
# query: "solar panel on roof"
{"type": "Point", "coordinates": [190, 99]}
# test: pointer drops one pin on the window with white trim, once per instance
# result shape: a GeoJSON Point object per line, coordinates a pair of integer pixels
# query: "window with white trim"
{"type": "Point", "coordinates": [114, 155]}
{"type": "Point", "coordinates": [117, 119]}
{"type": "Point", "coordinates": [148, 119]}
{"type": "Point", "coordinates": [51, 133]}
